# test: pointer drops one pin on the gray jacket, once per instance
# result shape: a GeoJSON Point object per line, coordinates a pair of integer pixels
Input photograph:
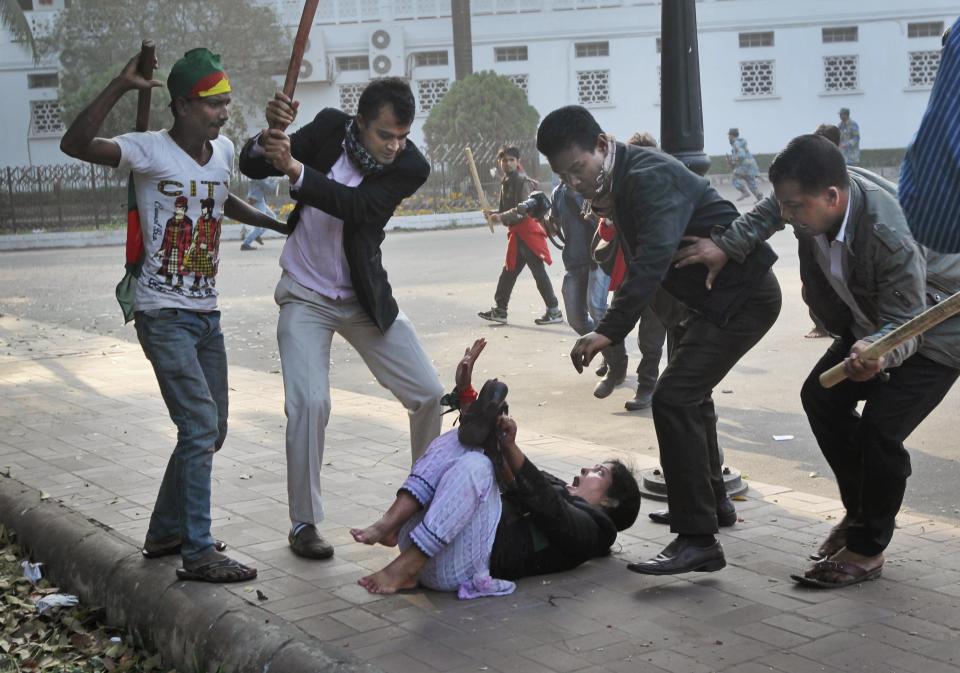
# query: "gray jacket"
{"type": "Point", "coordinates": [892, 278]}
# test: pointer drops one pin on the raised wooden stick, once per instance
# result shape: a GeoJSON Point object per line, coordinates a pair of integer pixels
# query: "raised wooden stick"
{"type": "Point", "coordinates": [299, 46]}
{"type": "Point", "coordinates": [481, 195]}
{"type": "Point", "coordinates": [148, 56]}
{"type": "Point", "coordinates": [908, 330]}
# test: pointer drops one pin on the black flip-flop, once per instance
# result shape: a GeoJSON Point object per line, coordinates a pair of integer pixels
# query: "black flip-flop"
{"type": "Point", "coordinates": [220, 571]}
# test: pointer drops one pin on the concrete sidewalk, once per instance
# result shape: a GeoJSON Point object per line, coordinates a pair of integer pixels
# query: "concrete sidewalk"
{"type": "Point", "coordinates": [82, 421]}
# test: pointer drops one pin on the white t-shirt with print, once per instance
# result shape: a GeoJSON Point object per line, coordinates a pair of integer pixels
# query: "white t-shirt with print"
{"type": "Point", "coordinates": [181, 211]}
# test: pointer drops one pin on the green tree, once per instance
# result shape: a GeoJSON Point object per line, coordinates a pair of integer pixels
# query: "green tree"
{"type": "Point", "coordinates": [95, 38]}
{"type": "Point", "coordinates": [15, 21]}
{"type": "Point", "coordinates": [481, 107]}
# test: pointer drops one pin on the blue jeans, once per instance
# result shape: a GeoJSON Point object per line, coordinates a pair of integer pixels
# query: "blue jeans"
{"type": "Point", "coordinates": [584, 293]}
{"type": "Point", "coordinates": [258, 231]}
{"type": "Point", "coordinates": [187, 353]}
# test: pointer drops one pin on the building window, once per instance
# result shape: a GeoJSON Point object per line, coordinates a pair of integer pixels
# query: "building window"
{"type": "Point", "coordinates": [25, 5]}
{"type": "Point", "coordinates": [430, 91]}
{"type": "Point", "coordinates": [520, 81]}
{"type": "Point", "coordinates": [423, 58]}
{"type": "Point", "coordinates": [45, 118]}
{"type": "Point", "coordinates": [927, 29]}
{"type": "Point", "coordinates": [848, 34]}
{"type": "Point", "coordinates": [502, 54]}
{"type": "Point", "coordinates": [764, 39]}
{"type": "Point", "coordinates": [350, 96]}
{"type": "Point", "coordinates": [592, 49]}
{"type": "Point", "coordinates": [923, 68]}
{"type": "Point", "coordinates": [841, 73]}
{"type": "Point", "coordinates": [593, 87]}
{"type": "Point", "coordinates": [345, 63]}
{"type": "Point", "coordinates": [46, 80]}
{"type": "Point", "coordinates": [757, 79]}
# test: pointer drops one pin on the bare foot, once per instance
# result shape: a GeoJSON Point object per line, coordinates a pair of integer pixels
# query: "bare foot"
{"type": "Point", "coordinates": [401, 573]}
{"type": "Point", "coordinates": [388, 581]}
{"type": "Point", "coordinates": [374, 533]}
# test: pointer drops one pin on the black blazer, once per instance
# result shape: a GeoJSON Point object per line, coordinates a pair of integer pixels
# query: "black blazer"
{"type": "Point", "coordinates": [365, 209]}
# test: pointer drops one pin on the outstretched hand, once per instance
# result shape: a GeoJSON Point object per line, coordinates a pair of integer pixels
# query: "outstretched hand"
{"type": "Point", "coordinates": [702, 251]}
{"type": "Point", "coordinates": [464, 374]}
{"type": "Point", "coordinates": [586, 348]}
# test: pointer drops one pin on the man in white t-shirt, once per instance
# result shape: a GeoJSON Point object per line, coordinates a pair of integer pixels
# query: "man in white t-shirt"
{"type": "Point", "coordinates": [181, 176]}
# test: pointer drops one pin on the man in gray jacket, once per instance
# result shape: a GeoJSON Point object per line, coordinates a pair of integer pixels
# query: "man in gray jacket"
{"type": "Point", "coordinates": [864, 275]}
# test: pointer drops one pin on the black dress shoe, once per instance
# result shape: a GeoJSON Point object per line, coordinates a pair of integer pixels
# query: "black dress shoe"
{"type": "Point", "coordinates": [308, 543]}
{"type": "Point", "coordinates": [682, 556]}
{"type": "Point", "coordinates": [726, 514]}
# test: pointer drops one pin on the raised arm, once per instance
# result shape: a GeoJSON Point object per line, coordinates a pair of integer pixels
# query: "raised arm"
{"type": "Point", "coordinates": [80, 141]}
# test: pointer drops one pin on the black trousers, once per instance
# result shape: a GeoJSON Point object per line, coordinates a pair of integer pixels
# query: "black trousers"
{"type": "Point", "coordinates": [508, 279]}
{"type": "Point", "coordinates": [866, 452]}
{"type": "Point", "coordinates": [683, 411]}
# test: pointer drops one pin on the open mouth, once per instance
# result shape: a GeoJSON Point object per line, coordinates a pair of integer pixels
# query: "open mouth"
{"type": "Point", "coordinates": [576, 481]}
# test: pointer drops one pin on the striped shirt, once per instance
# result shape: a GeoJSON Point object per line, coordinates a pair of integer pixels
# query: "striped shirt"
{"type": "Point", "coordinates": [930, 176]}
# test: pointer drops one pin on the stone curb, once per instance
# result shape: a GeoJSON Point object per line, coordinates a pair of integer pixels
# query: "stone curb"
{"type": "Point", "coordinates": [188, 623]}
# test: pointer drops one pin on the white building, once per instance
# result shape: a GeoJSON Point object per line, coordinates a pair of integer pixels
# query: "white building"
{"type": "Point", "coordinates": [772, 68]}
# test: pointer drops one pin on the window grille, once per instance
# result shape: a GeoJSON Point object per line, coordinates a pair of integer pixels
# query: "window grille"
{"type": "Point", "coordinates": [762, 39]}
{"type": "Point", "coordinates": [926, 29]}
{"type": "Point", "coordinates": [520, 81]}
{"type": "Point", "coordinates": [350, 96]}
{"type": "Point", "coordinates": [757, 79]}
{"type": "Point", "coordinates": [346, 63]}
{"type": "Point", "coordinates": [430, 91]}
{"type": "Point", "coordinates": [923, 68]}
{"type": "Point", "coordinates": [847, 34]}
{"type": "Point", "coordinates": [592, 49]}
{"type": "Point", "coordinates": [841, 73]}
{"type": "Point", "coordinates": [503, 54]}
{"type": "Point", "coordinates": [45, 118]}
{"type": "Point", "coordinates": [424, 58]}
{"type": "Point", "coordinates": [593, 87]}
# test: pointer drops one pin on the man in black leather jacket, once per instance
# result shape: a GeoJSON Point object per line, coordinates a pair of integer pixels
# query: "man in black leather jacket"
{"type": "Point", "coordinates": [655, 202]}
{"type": "Point", "coordinates": [347, 175]}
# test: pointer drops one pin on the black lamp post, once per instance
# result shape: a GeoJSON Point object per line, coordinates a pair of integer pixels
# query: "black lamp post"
{"type": "Point", "coordinates": [681, 108]}
{"type": "Point", "coordinates": [681, 133]}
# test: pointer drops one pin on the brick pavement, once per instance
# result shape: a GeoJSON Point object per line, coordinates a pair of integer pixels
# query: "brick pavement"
{"type": "Point", "coordinates": [81, 420]}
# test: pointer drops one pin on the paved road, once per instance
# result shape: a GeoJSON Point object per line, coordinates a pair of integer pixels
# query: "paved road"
{"type": "Point", "coordinates": [441, 280]}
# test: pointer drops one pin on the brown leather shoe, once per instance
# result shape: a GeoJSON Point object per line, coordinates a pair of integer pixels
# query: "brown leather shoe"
{"type": "Point", "coordinates": [308, 543]}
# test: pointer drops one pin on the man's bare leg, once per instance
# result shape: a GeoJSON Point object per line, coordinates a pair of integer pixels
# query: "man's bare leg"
{"type": "Point", "coordinates": [401, 573]}
{"type": "Point", "coordinates": [386, 530]}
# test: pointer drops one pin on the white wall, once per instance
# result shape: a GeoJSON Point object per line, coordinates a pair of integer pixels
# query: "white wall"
{"type": "Point", "coordinates": [886, 110]}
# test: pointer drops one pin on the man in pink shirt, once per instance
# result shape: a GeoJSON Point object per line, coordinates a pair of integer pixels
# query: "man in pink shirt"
{"type": "Point", "coordinates": [347, 174]}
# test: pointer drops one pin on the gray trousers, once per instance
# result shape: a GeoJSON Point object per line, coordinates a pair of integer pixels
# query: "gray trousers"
{"type": "Point", "coordinates": [305, 330]}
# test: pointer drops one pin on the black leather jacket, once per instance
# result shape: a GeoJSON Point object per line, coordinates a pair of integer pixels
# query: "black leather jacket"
{"type": "Point", "coordinates": [658, 201]}
{"type": "Point", "coordinates": [365, 209]}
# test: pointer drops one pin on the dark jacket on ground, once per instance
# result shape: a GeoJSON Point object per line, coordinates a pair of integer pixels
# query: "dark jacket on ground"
{"type": "Point", "coordinates": [544, 529]}
{"type": "Point", "coordinates": [658, 201]}
{"type": "Point", "coordinates": [365, 209]}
